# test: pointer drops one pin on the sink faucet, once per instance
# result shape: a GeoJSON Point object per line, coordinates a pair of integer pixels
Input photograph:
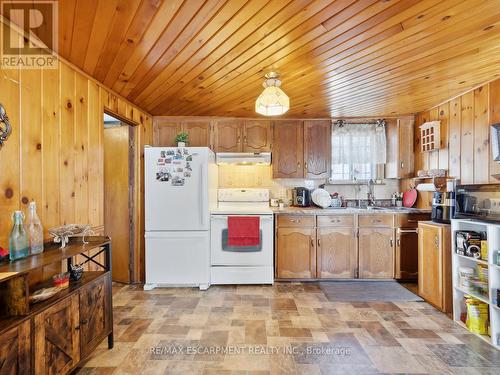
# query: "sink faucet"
{"type": "Point", "coordinates": [370, 194]}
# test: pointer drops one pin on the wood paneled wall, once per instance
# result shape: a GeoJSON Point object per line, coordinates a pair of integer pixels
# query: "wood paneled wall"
{"type": "Point", "coordinates": [54, 155]}
{"type": "Point", "coordinates": [465, 137]}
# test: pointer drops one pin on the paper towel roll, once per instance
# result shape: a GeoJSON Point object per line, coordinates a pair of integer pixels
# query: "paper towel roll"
{"type": "Point", "coordinates": [426, 187]}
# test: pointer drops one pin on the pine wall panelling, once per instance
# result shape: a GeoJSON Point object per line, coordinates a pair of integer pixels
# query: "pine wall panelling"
{"type": "Point", "coordinates": [465, 146]}
{"type": "Point", "coordinates": [54, 155]}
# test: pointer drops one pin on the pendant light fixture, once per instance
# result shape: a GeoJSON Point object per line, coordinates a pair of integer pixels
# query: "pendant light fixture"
{"type": "Point", "coordinates": [273, 101]}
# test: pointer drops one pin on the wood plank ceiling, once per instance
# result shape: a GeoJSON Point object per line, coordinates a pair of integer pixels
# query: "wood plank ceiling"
{"type": "Point", "coordinates": [336, 58]}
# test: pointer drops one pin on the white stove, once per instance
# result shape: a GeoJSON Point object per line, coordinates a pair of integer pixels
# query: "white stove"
{"type": "Point", "coordinates": [243, 265]}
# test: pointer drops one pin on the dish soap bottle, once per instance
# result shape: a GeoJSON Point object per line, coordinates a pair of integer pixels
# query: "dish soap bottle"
{"type": "Point", "coordinates": [18, 240]}
{"type": "Point", "coordinates": [35, 230]}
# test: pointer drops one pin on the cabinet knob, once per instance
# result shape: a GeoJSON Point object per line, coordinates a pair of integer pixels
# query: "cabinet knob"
{"type": "Point", "coordinates": [298, 165]}
{"type": "Point", "coordinates": [391, 241]}
{"type": "Point", "coordinates": [402, 165]}
{"type": "Point", "coordinates": [312, 242]}
{"type": "Point", "coordinates": [319, 242]}
{"type": "Point", "coordinates": [84, 321]}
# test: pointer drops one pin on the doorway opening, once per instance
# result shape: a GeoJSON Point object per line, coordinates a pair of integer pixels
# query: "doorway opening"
{"type": "Point", "coordinates": [119, 192]}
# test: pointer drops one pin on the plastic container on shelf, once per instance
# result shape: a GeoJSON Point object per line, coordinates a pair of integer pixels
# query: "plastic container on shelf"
{"type": "Point", "coordinates": [466, 275]}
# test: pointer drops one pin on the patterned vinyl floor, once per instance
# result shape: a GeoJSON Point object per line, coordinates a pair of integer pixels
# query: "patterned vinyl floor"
{"type": "Point", "coordinates": [282, 329]}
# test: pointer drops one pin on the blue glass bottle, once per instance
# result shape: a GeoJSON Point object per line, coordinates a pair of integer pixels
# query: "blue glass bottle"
{"type": "Point", "coordinates": [18, 240]}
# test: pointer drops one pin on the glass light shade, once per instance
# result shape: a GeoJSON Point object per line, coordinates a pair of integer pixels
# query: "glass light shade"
{"type": "Point", "coordinates": [272, 102]}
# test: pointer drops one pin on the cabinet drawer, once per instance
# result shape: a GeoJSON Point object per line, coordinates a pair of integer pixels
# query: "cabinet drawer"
{"type": "Point", "coordinates": [336, 221]}
{"type": "Point", "coordinates": [295, 221]}
{"type": "Point", "coordinates": [376, 220]}
{"type": "Point", "coordinates": [410, 220]}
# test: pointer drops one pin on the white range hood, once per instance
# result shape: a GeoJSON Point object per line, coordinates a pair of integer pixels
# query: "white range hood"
{"type": "Point", "coordinates": [243, 158]}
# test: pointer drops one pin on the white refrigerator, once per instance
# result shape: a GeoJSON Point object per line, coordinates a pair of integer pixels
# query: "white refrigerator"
{"type": "Point", "coordinates": [180, 190]}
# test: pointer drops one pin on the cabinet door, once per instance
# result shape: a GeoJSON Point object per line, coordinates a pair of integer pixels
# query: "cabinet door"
{"type": "Point", "coordinates": [198, 132]}
{"type": "Point", "coordinates": [376, 253]}
{"type": "Point", "coordinates": [57, 338]}
{"type": "Point", "coordinates": [15, 350]}
{"type": "Point", "coordinates": [317, 148]}
{"type": "Point", "coordinates": [406, 254]}
{"type": "Point", "coordinates": [227, 136]}
{"type": "Point", "coordinates": [400, 154]}
{"type": "Point", "coordinates": [337, 254]}
{"type": "Point", "coordinates": [257, 136]}
{"type": "Point", "coordinates": [406, 146]}
{"type": "Point", "coordinates": [296, 253]}
{"type": "Point", "coordinates": [288, 157]}
{"type": "Point", "coordinates": [94, 314]}
{"type": "Point", "coordinates": [165, 132]}
{"type": "Point", "coordinates": [430, 285]}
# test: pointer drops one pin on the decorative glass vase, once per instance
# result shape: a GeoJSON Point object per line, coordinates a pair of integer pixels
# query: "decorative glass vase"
{"type": "Point", "coordinates": [18, 240]}
{"type": "Point", "coordinates": [35, 230]}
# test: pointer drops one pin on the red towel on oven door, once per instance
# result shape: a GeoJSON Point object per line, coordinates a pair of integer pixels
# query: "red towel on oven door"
{"type": "Point", "coordinates": [243, 231]}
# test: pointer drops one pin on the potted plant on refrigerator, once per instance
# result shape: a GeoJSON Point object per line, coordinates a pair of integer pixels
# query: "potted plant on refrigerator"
{"type": "Point", "coordinates": [182, 139]}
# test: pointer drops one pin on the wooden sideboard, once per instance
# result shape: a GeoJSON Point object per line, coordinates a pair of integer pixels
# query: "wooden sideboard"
{"type": "Point", "coordinates": [55, 335]}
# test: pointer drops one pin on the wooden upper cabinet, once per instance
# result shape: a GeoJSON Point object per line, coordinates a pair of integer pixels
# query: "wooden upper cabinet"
{"type": "Point", "coordinates": [257, 136]}
{"type": "Point", "coordinates": [296, 253]}
{"type": "Point", "coordinates": [317, 148]}
{"type": "Point", "coordinates": [288, 156]}
{"type": "Point", "coordinates": [15, 350]}
{"type": "Point", "coordinates": [337, 252]}
{"type": "Point", "coordinates": [198, 131]}
{"type": "Point", "coordinates": [400, 156]}
{"type": "Point", "coordinates": [165, 132]}
{"type": "Point", "coordinates": [376, 253]}
{"type": "Point", "coordinates": [228, 136]}
{"type": "Point", "coordinates": [57, 338]}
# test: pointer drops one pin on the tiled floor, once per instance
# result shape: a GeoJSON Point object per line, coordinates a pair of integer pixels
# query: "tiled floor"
{"type": "Point", "coordinates": [285, 328]}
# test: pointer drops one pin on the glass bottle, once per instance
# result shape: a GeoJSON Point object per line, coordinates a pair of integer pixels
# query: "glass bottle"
{"type": "Point", "coordinates": [18, 240]}
{"type": "Point", "coordinates": [35, 230]}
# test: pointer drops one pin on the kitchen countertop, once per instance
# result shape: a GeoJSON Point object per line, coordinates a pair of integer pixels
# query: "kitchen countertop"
{"type": "Point", "coordinates": [347, 211]}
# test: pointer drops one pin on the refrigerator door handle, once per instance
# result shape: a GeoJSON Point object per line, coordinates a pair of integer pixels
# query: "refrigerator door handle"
{"type": "Point", "coordinates": [202, 201]}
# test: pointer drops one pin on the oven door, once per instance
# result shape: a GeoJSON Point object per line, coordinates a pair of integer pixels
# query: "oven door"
{"type": "Point", "coordinates": [224, 255]}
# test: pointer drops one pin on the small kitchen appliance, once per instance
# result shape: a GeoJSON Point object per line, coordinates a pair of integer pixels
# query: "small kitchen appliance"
{"type": "Point", "coordinates": [443, 206]}
{"type": "Point", "coordinates": [301, 197]}
{"type": "Point", "coordinates": [480, 202]}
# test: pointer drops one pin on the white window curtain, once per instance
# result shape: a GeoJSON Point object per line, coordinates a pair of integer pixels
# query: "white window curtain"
{"type": "Point", "coordinates": [356, 149]}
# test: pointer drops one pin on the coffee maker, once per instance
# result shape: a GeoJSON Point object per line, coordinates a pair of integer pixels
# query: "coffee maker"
{"type": "Point", "coordinates": [443, 206]}
{"type": "Point", "coordinates": [301, 197]}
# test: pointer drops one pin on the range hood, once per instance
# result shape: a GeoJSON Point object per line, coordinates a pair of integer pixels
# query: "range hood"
{"type": "Point", "coordinates": [243, 158]}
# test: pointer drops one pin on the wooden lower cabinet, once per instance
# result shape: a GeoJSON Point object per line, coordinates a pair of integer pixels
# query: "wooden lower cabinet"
{"type": "Point", "coordinates": [337, 253]}
{"type": "Point", "coordinates": [376, 253]}
{"type": "Point", "coordinates": [434, 264]}
{"type": "Point", "coordinates": [296, 253]}
{"type": "Point", "coordinates": [15, 350]}
{"type": "Point", "coordinates": [94, 314]}
{"type": "Point", "coordinates": [57, 337]}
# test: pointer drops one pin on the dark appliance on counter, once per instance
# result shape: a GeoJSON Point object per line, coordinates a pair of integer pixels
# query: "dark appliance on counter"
{"type": "Point", "coordinates": [480, 202]}
{"type": "Point", "coordinates": [301, 197]}
{"type": "Point", "coordinates": [443, 206]}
